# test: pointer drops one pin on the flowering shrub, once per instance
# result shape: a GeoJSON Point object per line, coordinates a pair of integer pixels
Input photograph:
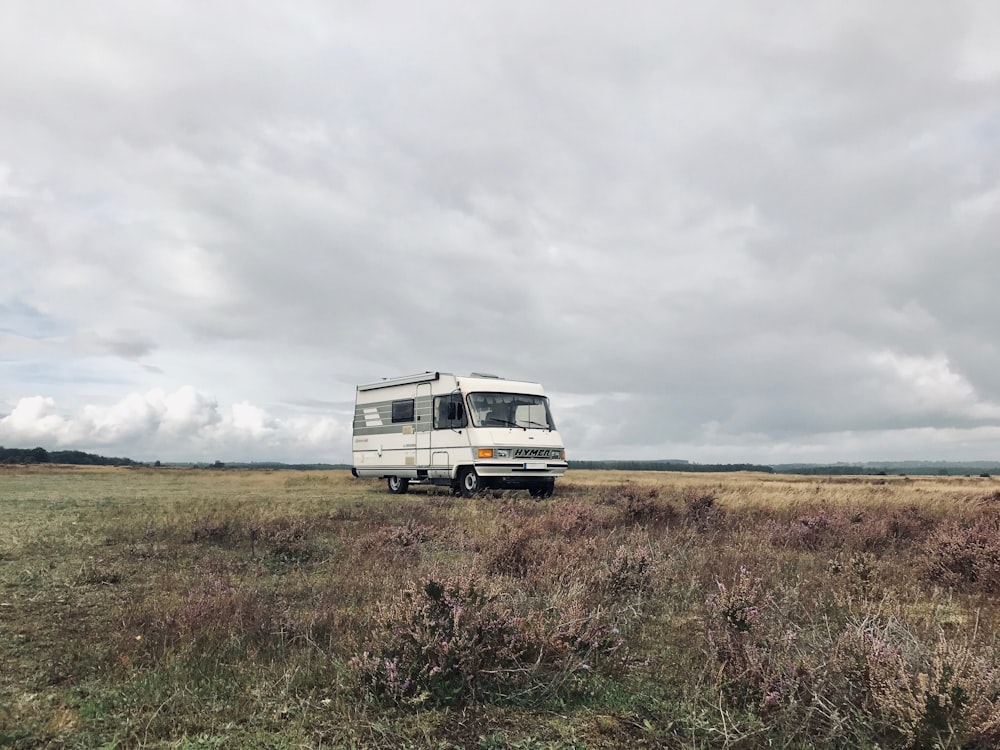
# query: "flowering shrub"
{"type": "Point", "coordinates": [510, 552]}
{"type": "Point", "coordinates": [948, 699]}
{"type": "Point", "coordinates": [700, 511]}
{"type": "Point", "coordinates": [407, 535]}
{"type": "Point", "coordinates": [459, 639]}
{"type": "Point", "coordinates": [808, 533]}
{"type": "Point", "coordinates": [630, 570]}
{"type": "Point", "coordinates": [573, 517]}
{"type": "Point", "coordinates": [638, 504]}
{"type": "Point", "coordinates": [854, 575]}
{"type": "Point", "coordinates": [215, 611]}
{"type": "Point", "coordinates": [907, 524]}
{"type": "Point", "coordinates": [285, 541]}
{"type": "Point", "coordinates": [859, 529]}
{"type": "Point", "coordinates": [737, 606]}
{"type": "Point", "coordinates": [966, 556]}
{"type": "Point", "coordinates": [740, 641]}
{"type": "Point", "coordinates": [870, 678]}
{"type": "Point", "coordinates": [208, 530]}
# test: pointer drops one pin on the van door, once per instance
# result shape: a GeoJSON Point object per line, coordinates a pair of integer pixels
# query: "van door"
{"type": "Point", "coordinates": [425, 424]}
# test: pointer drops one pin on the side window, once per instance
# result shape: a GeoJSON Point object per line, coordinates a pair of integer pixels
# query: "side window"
{"type": "Point", "coordinates": [402, 411]}
{"type": "Point", "coordinates": [449, 412]}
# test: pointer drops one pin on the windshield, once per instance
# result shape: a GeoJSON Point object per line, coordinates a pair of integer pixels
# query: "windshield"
{"type": "Point", "coordinates": [510, 410]}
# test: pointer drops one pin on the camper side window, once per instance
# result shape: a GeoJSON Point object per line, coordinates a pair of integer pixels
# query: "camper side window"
{"type": "Point", "coordinates": [449, 412]}
{"type": "Point", "coordinates": [402, 411]}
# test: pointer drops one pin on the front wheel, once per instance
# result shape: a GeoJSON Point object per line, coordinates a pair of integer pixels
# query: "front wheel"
{"type": "Point", "coordinates": [469, 483]}
{"type": "Point", "coordinates": [398, 485]}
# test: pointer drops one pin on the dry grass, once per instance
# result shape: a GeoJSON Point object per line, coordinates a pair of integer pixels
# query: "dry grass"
{"type": "Point", "coordinates": [204, 608]}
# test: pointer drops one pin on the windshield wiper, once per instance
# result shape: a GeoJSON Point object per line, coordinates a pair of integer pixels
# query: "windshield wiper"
{"type": "Point", "coordinates": [533, 423]}
{"type": "Point", "coordinates": [493, 422]}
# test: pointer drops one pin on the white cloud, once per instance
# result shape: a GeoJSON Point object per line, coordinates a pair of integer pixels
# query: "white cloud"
{"type": "Point", "coordinates": [181, 425]}
{"type": "Point", "coordinates": [251, 421]}
{"type": "Point", "coordinates": [132, 418]}
{"type": "Point", "coordinates": [33, 419]}
{"type": "Point", "coordinates": [927, 384]}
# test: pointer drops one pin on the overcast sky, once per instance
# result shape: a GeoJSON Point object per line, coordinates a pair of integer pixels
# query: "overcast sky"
{"type": "Point", "coordinates": [760, 231]}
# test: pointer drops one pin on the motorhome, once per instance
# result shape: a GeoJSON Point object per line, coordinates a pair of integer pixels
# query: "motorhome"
{"type": "Point", "coordinates": [467, 432]}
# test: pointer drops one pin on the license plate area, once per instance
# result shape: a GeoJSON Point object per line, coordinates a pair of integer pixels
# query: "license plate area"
{"type": "Point", "coordinates": [535, 465]}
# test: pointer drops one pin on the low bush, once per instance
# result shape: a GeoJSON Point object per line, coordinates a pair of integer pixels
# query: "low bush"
{"type": "Point", "coordinates": [638, 505]}
{"type": "Point", "coordinates": [574, 517]}
{"type": "Point", "coordinates": [456, 639]}
{"type": "Point", "coordinates": [510, 552]}
{"type": "Point", "coordinates": [700, 510]}
{"type": "Point", "coordinates": [409, 534]}
{"type": "Point", "coordinates": [808, 533]}
{"type": "Point", "coordinates": [965, 556]}
{"type": "Point", "coordinates": [214, 611]}
{"type": "Point", "coordinates": [630, 571]}
{"type": "Point", "coordinates": [870, 680]}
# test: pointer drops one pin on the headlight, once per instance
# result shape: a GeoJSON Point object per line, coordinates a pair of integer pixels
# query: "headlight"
{"type": "Point", "coordinates": [503, 453]}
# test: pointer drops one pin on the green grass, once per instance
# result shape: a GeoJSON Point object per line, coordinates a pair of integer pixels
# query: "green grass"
{"type": "Point", "coordinates": [174, 608]}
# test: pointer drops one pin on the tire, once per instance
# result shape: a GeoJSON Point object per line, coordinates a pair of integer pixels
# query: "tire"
{"type": "Point", "coordinates": [398, 485]}
{"type": "Point", "coordinates": [543, 489]}
{"type": "Point", "coordinates": [469, 483]}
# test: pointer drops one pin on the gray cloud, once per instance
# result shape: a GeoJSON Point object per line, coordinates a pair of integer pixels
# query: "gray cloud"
{"type": "Point", "coordinates": [729, 232]}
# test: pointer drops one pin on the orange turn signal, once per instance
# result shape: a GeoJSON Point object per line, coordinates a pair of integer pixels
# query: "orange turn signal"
{"type": "Point", "coordinates": [486, 453]}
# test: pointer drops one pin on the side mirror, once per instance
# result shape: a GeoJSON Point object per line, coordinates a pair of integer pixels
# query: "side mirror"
{"type": "Point", "coordinates": [456, 411]}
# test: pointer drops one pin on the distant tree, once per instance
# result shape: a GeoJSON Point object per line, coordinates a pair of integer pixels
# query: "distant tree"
{"type": "Point", "coordinates": [42, 456]}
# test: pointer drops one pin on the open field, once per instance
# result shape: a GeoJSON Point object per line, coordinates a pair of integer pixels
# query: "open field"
{"type": "Point", "coordinates": [178, 608]}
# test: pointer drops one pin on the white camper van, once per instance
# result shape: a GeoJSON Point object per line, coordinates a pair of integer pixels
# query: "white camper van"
{"type": "Point", "coordinates": [469, 432]}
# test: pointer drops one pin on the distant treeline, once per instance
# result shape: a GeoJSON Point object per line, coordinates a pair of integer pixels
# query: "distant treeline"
{"type": "Point", "coordinates": [665, 466]}
{"type": "Point", "coordinates": [42, 456]}
{"type": "Point", "coordinates": [271, 465]}
{"type": "Point", "coordinates": [895, 468]}
{"type": "Point", "coordinates": [825, 470]}
{"type": "Point", "coordinates": [901, 468]}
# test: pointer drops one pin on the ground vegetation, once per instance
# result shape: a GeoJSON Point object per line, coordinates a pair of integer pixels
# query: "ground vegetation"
{"type": "Point", "coordinates": [173, 608]}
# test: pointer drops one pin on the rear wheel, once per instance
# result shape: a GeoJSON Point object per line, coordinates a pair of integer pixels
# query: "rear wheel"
{"type": "Point", "coordinates": [398, 485]}
{"type": "Point", "coordinates": [469, 483]}
{"type": "Point", "coordinates": [543, 489]}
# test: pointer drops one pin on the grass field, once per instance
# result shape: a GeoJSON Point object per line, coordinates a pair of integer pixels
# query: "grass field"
{"type": "Point", "coordinates": [178, 608]}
